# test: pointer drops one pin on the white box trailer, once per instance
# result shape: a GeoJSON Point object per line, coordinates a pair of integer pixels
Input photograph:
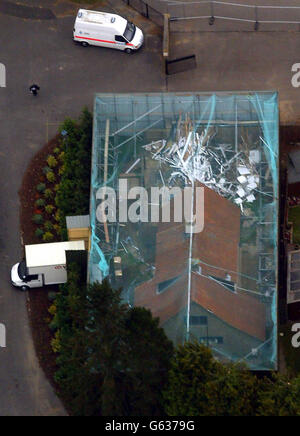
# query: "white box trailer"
{"type": "Point", "coordinates": [106, 30]}
{"type": "Point", "coordinates": [44, 264]}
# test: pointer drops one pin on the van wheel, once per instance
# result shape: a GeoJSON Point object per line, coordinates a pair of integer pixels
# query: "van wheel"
{"type": "Point", "coordinates": [85, 44]}
{"type": "Point", "coordinates": [24, 288]}
{"type": "Point", "coordinates": [128, 50]}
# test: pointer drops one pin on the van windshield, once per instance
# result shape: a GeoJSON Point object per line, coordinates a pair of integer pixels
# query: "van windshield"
{"type": "Point", "coordinates": [22, 270]}
{"type": "Point", "coordinates": [129, 31]}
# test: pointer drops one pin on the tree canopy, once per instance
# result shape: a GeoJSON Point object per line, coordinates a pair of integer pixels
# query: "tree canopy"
{"type": "Point", "coordinates": [113, 360]}
{"type": "Point", "coordinates": [199, 385]}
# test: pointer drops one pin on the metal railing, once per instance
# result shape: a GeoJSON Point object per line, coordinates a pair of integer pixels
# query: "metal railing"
{"type": "Point", "coordinates": [220, 15]}
{"type": "Point", "coordinates": [251, 14]}
{"type": "Point", "coordinates": [149, 9]}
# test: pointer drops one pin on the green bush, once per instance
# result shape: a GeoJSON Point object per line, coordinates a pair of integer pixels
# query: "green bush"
{"type": "Point", "coordinates": [37, 218]}
{"type": "Point", "coordinates": [56, 187]}
{"type": "Point", "coordinates": [51, 177]}
{"type": "Point", "coordinates": [46, 170]}
{"type": "Point", "coordinates": [49, 208]}
{"type": "Point", "coordinates": [53, 324]}
{"type": "Point", "coordinates": [48, 237]}
{"type": "Point", "coordinates": [48, 225]}
{"type": "Point", "coordinates": [40, 202]}
{"type": "Point", "coordinates": [57, 228]}
{"type": "Point", "coordinates": [48, 193]}
{"type": "Point", "coordinates": [55, 342]}
{"type": "Point", "coordinates": [61, 170]}
{"type": "Point", "coordinates": [41, 187]}
{"type": "Point", "coordinates": [57, 150]}
{"type": "Point", "coordinates": [73, 194]}
{"type": "Point", "coordinates": [61, 156]}
{"type": "Point", "coordinates": [57, 216]}
{"type": "Point", "coordinates": [39, 232]}
{"type": "Point", "coordinates": [51, 161]}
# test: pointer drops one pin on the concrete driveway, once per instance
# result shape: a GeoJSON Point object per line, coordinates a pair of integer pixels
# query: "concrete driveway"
{"type": "Point", "coordinates": [42, 51]}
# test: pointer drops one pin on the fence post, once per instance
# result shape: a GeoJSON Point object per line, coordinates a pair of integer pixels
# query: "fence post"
{"type": "Point", "coordinates": [212, 18]}
{"type": "Point", "coordinates": [256, 25]}
{"type": "Point", "coordinates": [166, 37]}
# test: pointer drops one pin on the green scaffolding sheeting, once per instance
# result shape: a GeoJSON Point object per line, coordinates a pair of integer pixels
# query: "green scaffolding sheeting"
{"type": "Point", "coordinates": [219, 285]}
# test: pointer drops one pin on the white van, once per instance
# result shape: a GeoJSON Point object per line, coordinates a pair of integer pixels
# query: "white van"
{"type": "Point", "coordinates": [44, 264]}
{"type": "Point", "coordinates": [106, 30]}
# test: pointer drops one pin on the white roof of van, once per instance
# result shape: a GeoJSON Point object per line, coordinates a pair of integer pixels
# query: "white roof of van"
{"type": "Point", "coordinates": [100, 18]}
{"type": "Point", "coordinates": [50, 254]}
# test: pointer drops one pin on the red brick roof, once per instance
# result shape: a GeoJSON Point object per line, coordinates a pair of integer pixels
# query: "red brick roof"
{"type": "Point", "coordinates": [217, 245]}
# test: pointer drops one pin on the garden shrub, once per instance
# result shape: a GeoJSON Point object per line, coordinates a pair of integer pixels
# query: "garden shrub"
{"type": "Point", "coordinates": [57, 228]}
{"type": "Point", "coordinates": [39, 232]}
{"type": "Point", "coordinates": [48, 225]}
{"type": "Point", "coordinates": [61, 156]}
{"type": "Point", "coordinates": [73, 193]}
{"type": "Point", "coordinates": [48, 193]}
{"type": "Point", "coordinates": [49, 208]}
{"type": "Point", "coordinates": [57, 216]}
{"type": "Point", "coordinates": [40, 202]}
{"type": "Point", "coordinates": [57, 150]}
{"type": "Point", "coordinates": [51, 177]}
{"type": "Point", "coordinates": [55, 343]}
{"type": "Point", "coordinates": [37, 218]}
{"type": "Point", "coordinates": [51, 161]}
{"type": "Point", "coordinates": [41, 187]}
{"type": "Point", "coordinates": [48, 237]}
{"type": "Point", "coordinates": [46, 170]}
{"type": "Point", "coordinates": [52, 309]}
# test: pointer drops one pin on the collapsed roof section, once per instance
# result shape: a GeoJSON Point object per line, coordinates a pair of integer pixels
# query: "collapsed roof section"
{"type": "Point", "coordinates": [218, 286]}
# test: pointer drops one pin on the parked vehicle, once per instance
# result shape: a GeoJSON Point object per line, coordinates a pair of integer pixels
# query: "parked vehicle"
{"type": "Point", "coordinates": [44, 264]}
{"type": "Point", "coordinates": [106, 30]}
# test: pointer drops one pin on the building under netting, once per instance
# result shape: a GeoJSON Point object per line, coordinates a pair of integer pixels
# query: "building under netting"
{"type": "Point", "coordinates": [216, 285]}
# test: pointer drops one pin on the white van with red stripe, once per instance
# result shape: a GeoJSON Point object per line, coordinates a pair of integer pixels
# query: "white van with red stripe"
{"type": "Point", "coordinates": [106, 30]}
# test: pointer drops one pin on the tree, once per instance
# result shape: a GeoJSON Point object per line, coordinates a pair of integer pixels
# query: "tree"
{"type": "Point", "coordinates": [75, 380]}
{"type": "Point", "coordinates": [113, 360]}
{"type": "Point", "coordinates": [201, 386]}
{"type": "Point", "coordinates": [232, 392]}
{"type": "Point", "coordinates": [130, 352]}
{"type": "Point", "coordinates": [279, 396]}
{"type": "Point", "coordinates": [148, 360]}
{"type": "Point", "coordinates": [105, 340]}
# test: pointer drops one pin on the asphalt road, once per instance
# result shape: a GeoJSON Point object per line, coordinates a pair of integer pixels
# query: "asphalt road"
{"type": "Point", "coordinates": [69, 76]}
{"type": "Point", "coordinates": [42, 51]}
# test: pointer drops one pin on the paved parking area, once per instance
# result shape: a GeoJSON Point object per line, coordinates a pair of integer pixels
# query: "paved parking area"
{"type": "Point", "coordinates": [42, 51]}
{"type": "Point", "coordinates": [241, 61]}
{"type": "Point", "coordinates": [69, 76]}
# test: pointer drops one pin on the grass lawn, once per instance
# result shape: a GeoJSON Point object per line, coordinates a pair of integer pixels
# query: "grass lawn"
{"type": "Point", "coordinates": [294, 217]}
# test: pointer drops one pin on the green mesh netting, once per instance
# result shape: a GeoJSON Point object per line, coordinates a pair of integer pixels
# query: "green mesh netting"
{"type": "Point", "coordinates": [218, 287]}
